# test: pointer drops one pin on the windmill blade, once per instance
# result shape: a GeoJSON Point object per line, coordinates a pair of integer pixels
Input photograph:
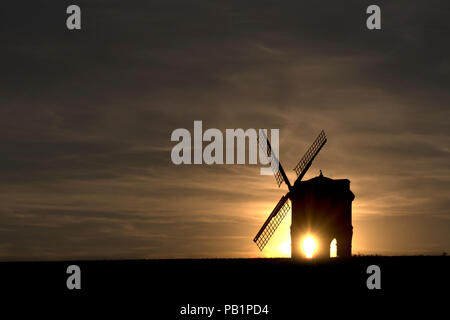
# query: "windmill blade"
{"type": "Point", "coordinates": [278, 171]}
{"type": "Point", "coordinates": [304, 164]}
{"type": "Point", "coordinates": [273, 221]}
{"type": "Point", "coordinates": [266, 149]}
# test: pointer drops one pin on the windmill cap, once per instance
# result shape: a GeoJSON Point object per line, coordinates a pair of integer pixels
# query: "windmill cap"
{"type": "Point", "coordinates": [324, 183]}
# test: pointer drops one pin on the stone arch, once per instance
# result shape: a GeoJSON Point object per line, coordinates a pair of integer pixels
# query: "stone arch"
{"type": "Point", "coordinates": [333, 248]}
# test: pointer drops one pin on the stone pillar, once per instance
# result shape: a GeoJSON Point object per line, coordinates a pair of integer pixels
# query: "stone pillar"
{"type": "Point", "coordinates": [344, 244]}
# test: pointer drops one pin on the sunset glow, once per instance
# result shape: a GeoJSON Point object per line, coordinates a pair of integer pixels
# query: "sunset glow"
{"type": "Point", "coordinates": [333, 249]}
{"type": "Point", "coordinates": [90, 125]}
{"type": "Point", "coordinates": [309, 246]}
{"type": "Point", "coordinates": [285, 248]}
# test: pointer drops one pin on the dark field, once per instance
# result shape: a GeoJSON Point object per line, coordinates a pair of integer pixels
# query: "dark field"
{"type": "Point", "coordinates": [161, 287]}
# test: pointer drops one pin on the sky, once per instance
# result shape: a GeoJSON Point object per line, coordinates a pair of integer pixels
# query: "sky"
{"type": "Point", "coordinates": [86, 120]}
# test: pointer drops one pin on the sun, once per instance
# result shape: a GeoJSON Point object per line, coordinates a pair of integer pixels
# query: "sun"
{"type": "Point", "coordinates": [309, 246]}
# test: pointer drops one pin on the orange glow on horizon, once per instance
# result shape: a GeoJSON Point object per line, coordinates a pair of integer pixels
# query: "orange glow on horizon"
{"type": "Point", "coordinates": [279, 245]}
{"type": "Point", "coordinates": [285, 248]}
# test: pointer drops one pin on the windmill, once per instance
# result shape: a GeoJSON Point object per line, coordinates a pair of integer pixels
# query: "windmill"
{"type": "Point", "coordinates": [320, 206]}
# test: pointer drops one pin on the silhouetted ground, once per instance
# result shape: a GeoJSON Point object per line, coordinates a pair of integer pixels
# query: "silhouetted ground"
{"type": "Point", "coordinates": [289, 288]}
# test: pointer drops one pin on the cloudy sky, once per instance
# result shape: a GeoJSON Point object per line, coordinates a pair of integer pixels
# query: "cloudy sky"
{"type": "Point", "coordinates": [86, 119]}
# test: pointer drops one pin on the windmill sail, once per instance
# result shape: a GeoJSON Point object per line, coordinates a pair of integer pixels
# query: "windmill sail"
{"type": "Point", "coordinates": [304, 164]}
{"type": "Point", "coordinates": [273, 221]}
{"type": "Point", "coordinates": [277, 168]}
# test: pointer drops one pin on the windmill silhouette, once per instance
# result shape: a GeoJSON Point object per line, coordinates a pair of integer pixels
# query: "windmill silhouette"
{"type": "Point", "coordinates": [321, 206]}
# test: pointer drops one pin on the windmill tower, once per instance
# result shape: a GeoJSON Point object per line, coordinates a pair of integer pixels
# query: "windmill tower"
{"type": "Point", "coordinates": [321, 207]}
